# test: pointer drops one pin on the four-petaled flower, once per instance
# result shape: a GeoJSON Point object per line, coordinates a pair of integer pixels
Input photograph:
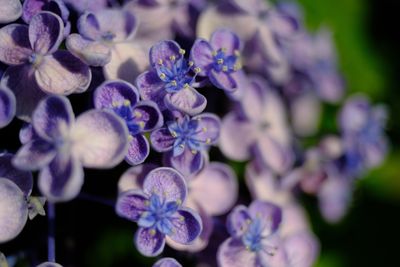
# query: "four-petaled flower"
{"type": "Point", "coordinates": [158, 211]}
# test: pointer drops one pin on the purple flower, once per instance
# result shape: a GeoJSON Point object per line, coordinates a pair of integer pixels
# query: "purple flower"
{"type": "Point", "coordinates": [10, 10]}
{"type": "Point", "coordinates": [140, 116]}
{"type": "Point", "coordinates": [219, 59]}
{"type": "Point", "coordinates": [167, 262]}
{"type": "Point", "coordinates": [158, 211]}
{"type": "Point", "coordinates": [170, 81]}
{"type": "Point", "coordinates": [64, 145]}
{"type": "Point", "coordinates": [7, 107]}
{"type": "Point", "coordinates": [37, 67]}
{"type": "Point", "coordinates": [260, 127]}
{"type": "Point", "coordinates": [186, 141]}
{"type": "Point", "coordinates": [87, 5]}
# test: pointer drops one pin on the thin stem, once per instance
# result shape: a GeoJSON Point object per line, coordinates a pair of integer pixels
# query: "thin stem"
{"type": "Point", "coordinates": [51, 243]}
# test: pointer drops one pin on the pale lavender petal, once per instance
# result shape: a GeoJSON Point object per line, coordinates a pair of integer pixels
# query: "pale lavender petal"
{"type": "Point", "coordinates": [223, 80]}
{"type": "Point", "coordinates": [45, 32]}
{"type": "Point", "coordinates": [101, 139]}
{"type": "Point", "coordinates": [226, 40]}
{"type": "Point", "coordinates": [87, 5]}
{"type": "Point", "coordinates": [209, 126]}
{"type": "Point", "coordinates": [151, 87]}
{"type": "Point", "coordinates": [306, 114]}
{"type": "Point", "coordinates": [10, 10]}
{"type": "Point", "coordinates": [270, 214]}
{"type": "Point", "coordinates": [354, 114]}
{"type": "Point", "coordinates": [163, 51]}
{"type": "Point", "coordinates": [62, 73]}
{"type": "Point", "coordinates": [121, 23]}
{"type": "Point", "coordinates": [187, 226]}
{"type": "Point", "coordinates": [237, 221]}
{"type": "Point", "coordinates": [21, 81]}
{"type": "Point", "coordinates": [138, 149]}
{"type": "Point", "coordinates": [134, 177]}
{"type": "Point", "coordinates": [27, 133]}
{"type": "Point", "coordinates": [254, 98]}
{"type": "Point", "coordinates": [301, 249]}
{"type": "Point", "coordinates": [117, 91]}
{"type": "Point", "coordinates": [162, 140]}
{"type": "Point", "coordinates": [215, 188]}
{"type": "Point", "coordinates": [187, 100]}
{"type": "Point", "coordinates": [251, 6]}
{"type": "Point", "coordinates": [131, 204]}
{"type": "Point", "coordinates": [22, 179]}
{"type": "Point", "coordinates": [62, 179]}
{"type": "Point", "coordinates": [167, 183]}
{"type": "Point", "coordinates": [7, 106]}
{"type": "Point", "coordinates": [232, 253]}
{"type": "Point", "coordinates": [13, 210]}
{"type": "Point", "coordinates": [188, 163]}
{"type": "Point", "coordinates": [149, 243]}
{"type": "Point", "coordinates": [92, 53]}
{"type": "Point", "coordinates": [201, 55]}
{"type": "Point", "coordinates": [167, 262]}
{"type": "Point", "coordinates": [34, 155]}
{"type": "Point", "coordinates": [150, 115]}
{"type": "Point", "coordinates": [31, 8]}
{"type": "Point", "coordinates": [53, 117]}
{"type": "Point", "coordinates": [88, 26]}
{"type": "Point", "coordinates": [14, 44]}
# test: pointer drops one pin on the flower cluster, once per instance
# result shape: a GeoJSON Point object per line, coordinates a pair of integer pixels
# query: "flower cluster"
{"type": "Point", "coordinates": [245, 83]}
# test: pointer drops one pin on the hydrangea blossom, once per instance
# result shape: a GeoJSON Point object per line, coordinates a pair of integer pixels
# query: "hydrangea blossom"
{"type": "Point", "coordinates": [7, 107]}
{"type": "Point", "coordinates": [158, 211]}
{"type": "Point", "coordinates": [63, 145]}
{"type": "Point", "coordinates": [167, 262]}
{"type": "Point", "coordinates": [170, 81]}
{"type": "Point", "coordinates": [37, 67]}
{"type": "Point", "coordinates": [140, 116]}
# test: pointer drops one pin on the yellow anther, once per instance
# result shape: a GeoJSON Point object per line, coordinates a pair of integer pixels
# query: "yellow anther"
{"type": "Point", "coordinates": [248, 248]}
{"type": "Point", "coordinates": [115, 104]}
{"type": "Point", "coordinates": [197, 69]}
{"type": "Point", "coordinates": [236, 53]}
{"type": "Point", "coordinates": [182, 146]}
{"type": "Point", "coordinates": [237, 66]}
{"type": "Point", "coordinates": [174, 134]}
{"type": "Point", "coordinates": [146, 203]}
{"type": "Point", "coordinates": [220, 61]}
{"type": "Point", "coordinates": [224, 68]}
{"type": "Point", "coordinates": [248, 221]}
{"type": "Point", "coordinates": [141, 124]}
{"type": "Point", "coordinates": [223, 49]}
{"type": "Point", "coordinates": [130, 138]}
{"type": "Point", "coordinates": [186, 86]}
{"type": "Point", "coordinates": [181, 218]}
{"type": "Point", "coordinates": [194, 152]}
{"type": "Point", "coordinates": [190, 63]}
{"type": "Point", "coordinates": [127, 102]}
{"type": "Point", "coordinates": [174, 83]}
{"type": "Point", "coordinates": [137, 114]}
{"type": "Point", "coordinates": [204, 129]}
{"type": "Point", "coordinates": [182, 51]}
{"type": "Point", "coordinates": [160, 61]}
{"type": "Point", "coordinates": [163, 76]}
{"type": "Point", "coordinates": [179, 202]}
{"type": "Point", "coordinates": [214, 53]}
{"type": "Point", "coordinates": [172, 58]}
{"type": "Point", "coordinates": [152, 232]}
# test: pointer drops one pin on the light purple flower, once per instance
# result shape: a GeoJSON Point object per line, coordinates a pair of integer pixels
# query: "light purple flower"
{"type": "Point", "coordinates": [158, 211]}
{"type": "Point", "coordinates": [170, 81]}
{"type": "Point", "coordinates": [64, 145]}
{"type": "Point", "coordinates": [167, 262]}
{"type": "Point", "coordinates": [7, 107]}
{"type": "Point", "coordinates": [186, 141]}
{"type": "Point", "coordinates": [37, 67]}
{"type": "Point", "coordinates": [87, 5]}
{"type": "Point", "coordinates": [260, 128]}
{"type": "Point", "coordinates": [10, 10]}
{"type": "Point", "coordinates": [140, 116]}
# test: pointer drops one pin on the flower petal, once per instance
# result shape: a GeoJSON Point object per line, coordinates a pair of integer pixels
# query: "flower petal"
{"type": "Point", "coordinates": [223, 80]}
{"type": "Point", "coordinates": [7, 106]}
{"type": "Point", "coordinates": [131, 204]}
{"type": "Point", "coordinates": [148, 243]}
{"type": "Point", "coordinates": [188, 163]}
{"type": "Point", "coordinates": [53, 117]}
{"type": "Point", "coordinates": [150, 115]}
{"type": "Point", "coordinates": [13, 210]}
{"type": "Point", "coordinates": [232, 253]}
{"type": "Point", "coordinates": [117, 91]}
{"type": "Point", "coordinates": [46, 32]}
{"type": "Point", "coordinates": [151, 88]}
{"type": "Point", "coordinates": [187, 100]}
{"type": "Point", "coordinates": [134, 177]}
{"type": "Point", "coordinates": [301, 249]}
{"type": "Point", "coordinates": [163, 51]}
{"type": "Point", "coordinates": [10, 10]}
{"type": "Point", "coordinates": [92, 53]}
{"type": "Point", "coordinates": [166, 183]}
{"type": "Point", "coordinates": [34, 155]}
{"type": "Point", "coordinates": [22, 179]}
{"type": "Point", "coordinates": [62, 179]}
{"type": "Point", "coordinates": [237, 221]}
{"type": "Point", "coordinates": [100, 139]}
{"type": "Point", "coordinates": [220, 197]}
{"type": "Point", "coordinates": [63, 73]}
{"type": "Point", "coordinates": [209, 126]}
{"type": "Point", "coordinates": [119, 22]}
{"type": "Point", "coordinates": [14, 44]}
{"type": "Point", "coordinates": [201, 55]}
{"type": "Point", "coordinates": [167, 262]}
{"type": "Point", "coordinates": [138, 150]}
{"type": "Point", "coordinates": [162, 140]}
{"type": "Point", "coordinates": [226, 40]}
{"type": "Point", "coordinates": [187, 226]}
{"type": "Point", "coordinates": [254, 98]}
{"type": "Point", "coordinates": [270, 214]}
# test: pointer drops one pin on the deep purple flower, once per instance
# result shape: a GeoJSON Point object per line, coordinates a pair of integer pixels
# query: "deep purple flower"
{"type": "Point", "coordinates": [10, 10]}
{"type": "Point", "coordinates": [167, 262]}
{"type": "Point", "coordinates": [64, 145]}
{"type": "Point", "coordinates": [158, 211]}
{"type": "Point", "coordinates": [219, 59]}
{"type": "Point", "coordinates": [170, 81]}
{"type": "Point", "coordinates": [7, 107]}
{"type": "Point", "coordinates": [140, 116]}
{"type": "Point", "coordinates": [37, 67]}
{"type": "Point", "coordinates": [187, 141]}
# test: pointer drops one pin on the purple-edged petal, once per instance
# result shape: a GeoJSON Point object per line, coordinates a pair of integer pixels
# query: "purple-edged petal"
{"type": "Point", "coordinates": [27, 133]}
{"type": "Point", "coordinates": [117, 91]}
{"type": "Point", "coordinates": [34, 155]}
{"type": "Point", "coordinates": [150, 115]}
{"type": "Point", "coordinates": [92, 53]}
{"type": "Point", "coordinates": [188, 163]}
{"type": "Point", "coordinates": [62, 73]}
{"type": "Point", "coordinates": [121, 23]}
{"type": "Point", "coordinates": [7, 106]}
{"type": "Point", "coordinates": [100, 139]}
{"type": "Point", "coordinates": [62, 179]}
{"type": "Point", "coordinates": [14, 44]}
{"type": "Point", "coordinates": [254, 98]}
{"type": "Point", "coordinates": [53, 117]}
{"type": "Point", "coordinates": [166, 183]}
{"type": "Point", "coordinates": [31, 8]}
{"type": "Point", "coordinates": [187, 100]}
{"type": "Point", "coordinates": [226, 40]}
{"type": "Point", "coordinates": [209, 126]}
{"type": "Point", "coordinates": [21, 81]}
{"type": "Point", "coordinates": [89, 26]}
{"type": "Point", "coordinates": [87, 5]}
{"type": "Point", "coordinates": [201, 55]}
{"type": "Point", "coordinates": [46, 32]}
{"type": "Point", "coordinates": [301, 249]}
{"type": "Point", "coordinates": [223, 80]}
{"type": "Point", "coordinates": [220, 197]}
{"type": "Point", "coordinates": [187, 226]}
{"type": "Point", "coordinates": [151, 87]}
{"type": "Point", "coordinates": [163, 51]}
{"type": "Point", "coordinates": [22, 179]}
{"type": "Point", "coordinates": [270, 214]}
{"type": "Point", "coordinates": [13, 210]}
{"type": "Point", "coordinates": [138, 149]}
{"type": "Point", "coordinates": [167, 262]}
{"type": "Point", "coordinates": [149, 243]}
{"type": "Point", "coordinates": [237, 221]}
{"type": "Point", "coordinates": [131, 204]}
{"type": "Point", "coordinates": [162, 140]}
{"type": "Point", "coordinates": [232, 253]}
{"type": "Point", "coordinates": [134, 177]}
{"type": "Point", "coordinates": [10, 10]}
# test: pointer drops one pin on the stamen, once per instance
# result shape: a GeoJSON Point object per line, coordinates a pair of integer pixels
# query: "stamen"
{"type": "Point", "coordinates": [204, 129]}
{"type": "Point", "coordinates": [224, 68]}
{"type": "Point", "coordinates": [163, 76]}
{"type": "Point", "coordinates": [214, 53]}
{"type": "Point", "coordinates": [146, 203]}
{"type": "Point", "coordinates": [190, 63]}
{"type": "Point", "coordinates": [179, 202]}
{"type": "Point", "coordinates": [186, 86]}
{"type": "Point", "coordinates": [224, 49]}
{"type": "Point", "coordinates": [197, 69]}
{"type": "Point", "coordinates": [208, 141]}
{"type": "Point", "coordinates": [174, 134]}
{"type": "Point", "coordinates": [152, 232]}
{"type": "Point", "coordinates": [236, 53]}
{"type": "Point", "coordinates": [182, 51]}
{"type": "Point", "coordinates": [115, 104]}
{"type": "Point", "coordinates": [220, 61]}
{"type": "Point", "coordinates": [172, 58]}
{"type": "Point", "coordinates": [137, 114]}
{"type": "Point", "coordinates": [127, 102]}
{"type": "Point", "coordinates": [182, 146]}
{"type": "Point", "coordinates": [141, 124]}
{"type": "Point", "coordinates": [181, 218]}
{"type": "Point", "coordinates": [194, 152]}
{"type": "Point", "coordinates": [174, 83]}
{"type": "Point", "coordinates": [130, 138]}
{"type": "Point", "coordinates": [160, 61]}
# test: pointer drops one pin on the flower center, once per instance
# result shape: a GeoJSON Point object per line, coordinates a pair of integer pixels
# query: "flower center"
{"type": "Point", "coordinates": [35, 59]}
{"type": "Point", "coordinates": [134, 119]}
{"type": "Point", "coordinates": [226, 63]}
{"type": "Point", "coordinates": [253, 238]}
{"type": "Point", "coordinates": [108, 36]}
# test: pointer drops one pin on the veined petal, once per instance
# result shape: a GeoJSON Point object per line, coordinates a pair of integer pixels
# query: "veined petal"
{"type": "Point", "coordinates": [10, 10]}
{"type": "Point", "coordinates": [162, 140]}
{"type": "Point", "coordinates": [223, 81]}
{"type": "Point", "coordinates": [237, 221]}
{"type": "Point", "coordinates": [187, 100]}
{"type": "Point", "coordinates": [201, 55]}
{"type": "Point", "coordinates": [189, 163]}
{"type": "Point", "coordinates": [269, 213]}
{"type": "Point", "coordinates": [120, 23]}
{"type": "Point", "coordinates": [149, 243]}
{"type": "Point", "coordinates": [138, 149]}
{"type": "Point", "coordinates": [22, 179]}
{"type": "Point", "coordinates": [34, 155]}
{"type": "Point", "coordinates": [116, 91]}
{"type": "Point", "coordinates": [226, 40]}
{"type": "Point", "coordinates": [209, 126]}
{"type": "Point", "coordinates": [131, 204]}
{"type": "Point", "coordinates": [187, 226]}
{"type": "Point", "coordinates": [150, 115]}
{"type": "Point", "coordinates": [134, 177]}
{"type": "Point", "coordinates": [232, 253]}
{"type": "Point", "coordinates": [7, 107]}
{"type": "Point", "coordinates": [151, 88]}
{"type": "Point", "coordinates": [93, 53]}
{"type": "Point", "coordinates": [163, 51]}
{"type": "Point", "coordinates": [14, 44]}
